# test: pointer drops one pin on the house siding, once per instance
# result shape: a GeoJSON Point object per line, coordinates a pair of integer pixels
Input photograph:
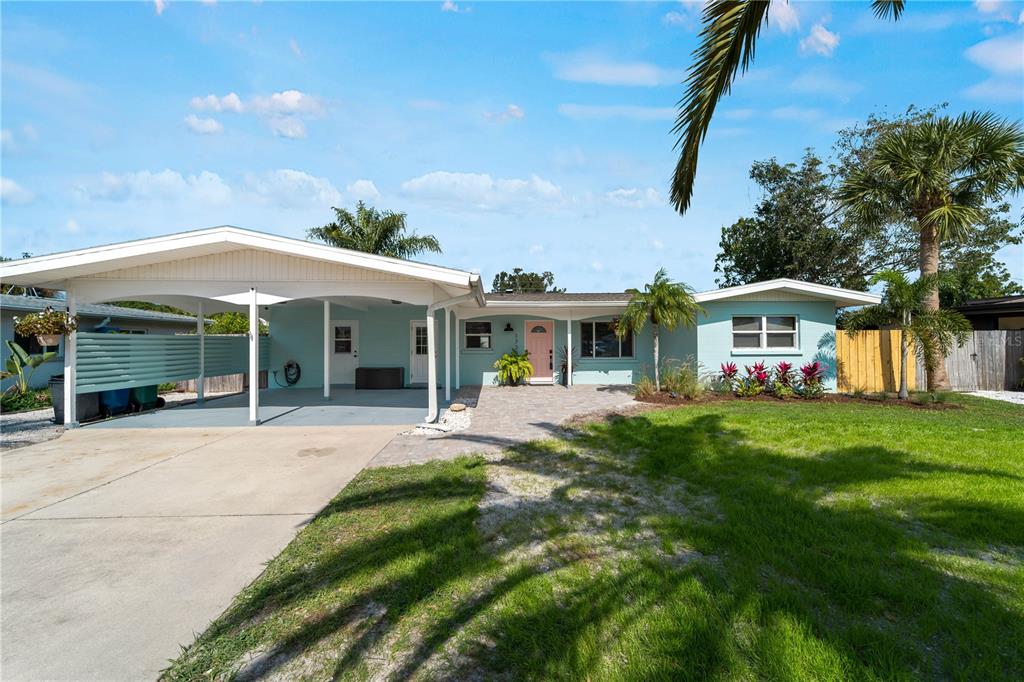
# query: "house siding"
{"type": "Point", "coordinates": [816, 334]}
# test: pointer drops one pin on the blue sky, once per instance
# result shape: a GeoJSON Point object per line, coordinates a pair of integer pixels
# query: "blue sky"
{"type": "Point", "coordinates": [532, 135]}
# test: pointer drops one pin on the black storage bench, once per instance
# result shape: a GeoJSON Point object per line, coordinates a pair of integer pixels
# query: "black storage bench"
{"type": "Point", "coordinates": [380, 377]}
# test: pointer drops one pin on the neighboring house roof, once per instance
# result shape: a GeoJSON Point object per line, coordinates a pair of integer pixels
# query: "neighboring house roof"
{"type": "Point", "coordinates": [35, 303]}
{"type": "Point", "coordinates": [1003, 305]}
{"type": "Point", "coordinates": [841, 297]}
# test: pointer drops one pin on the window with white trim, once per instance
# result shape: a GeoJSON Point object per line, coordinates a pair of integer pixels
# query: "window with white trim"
{"type": "Point", "coordinates": [764, 332]}
{"type": "Point", "coordinates": [478, 335]}
{"type": "Point", "coordinates": [599, 340]}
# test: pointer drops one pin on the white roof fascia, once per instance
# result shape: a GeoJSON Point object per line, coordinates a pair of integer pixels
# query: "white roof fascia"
{"type": "Point", "coordinates": [121, 255]}
{"type": "Point", "coordinates": [842, 297]}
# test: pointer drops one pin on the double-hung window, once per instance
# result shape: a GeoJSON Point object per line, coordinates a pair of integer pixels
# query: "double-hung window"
{"type": "Point", "coordinates": [764, 332]}
{"type": "Point", "coordinates": [478, 335]}
{"type": "Point", "coordinates": [599, 340]}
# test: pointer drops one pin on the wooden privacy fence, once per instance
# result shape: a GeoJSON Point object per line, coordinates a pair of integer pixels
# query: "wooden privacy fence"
{"type": "Point", "coordinates": [870, 361]}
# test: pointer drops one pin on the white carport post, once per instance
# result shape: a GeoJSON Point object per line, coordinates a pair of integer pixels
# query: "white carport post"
{"type": "Point", "coordinates": [201, 333]}
{"type": "Point", "coordinates": [458, 353]}
{"type": "Point", "coordinates": [254, 358]}
{"type": "Point", "coordinates": [431, 367]}
{"type": "Point", "coordinates": [327, 350]}
{"type": "Point", "coordinates": [447, 355]}
{"type": "Point", "coordinates": [568, 351]}
{"type": "Point", "coordinates": [70, 366]}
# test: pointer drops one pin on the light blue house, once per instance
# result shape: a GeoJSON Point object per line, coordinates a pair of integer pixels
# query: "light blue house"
{"type": "Point", "coordinates": [346, 318]}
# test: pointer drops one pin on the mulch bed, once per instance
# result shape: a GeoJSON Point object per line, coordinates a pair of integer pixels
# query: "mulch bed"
{"type": "Point", "coordinates": [664, 398]}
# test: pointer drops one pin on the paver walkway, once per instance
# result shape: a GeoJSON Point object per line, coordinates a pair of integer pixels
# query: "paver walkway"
{"type": "Point", "coordinates": [504, 417]}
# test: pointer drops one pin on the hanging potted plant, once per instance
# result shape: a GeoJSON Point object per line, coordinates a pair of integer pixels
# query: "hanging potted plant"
{"type": "Point", "coordinates": [47, 325]}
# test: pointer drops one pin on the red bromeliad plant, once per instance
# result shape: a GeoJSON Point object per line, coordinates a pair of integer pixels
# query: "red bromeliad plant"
{"type": "Point", "coordinates": [757, 373]}
{"type": "Point", "coordinates": [729, 372]}
{"type": "Point", "coordinates": [784, 373]}
{"type": "Point", "coordinates": [811, 376]}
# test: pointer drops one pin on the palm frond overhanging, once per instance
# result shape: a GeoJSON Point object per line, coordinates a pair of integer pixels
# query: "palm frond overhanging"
{"type": "Point", "coordinates": [727, 43]}
{"type": "Point", "coordinates": [374, 231]}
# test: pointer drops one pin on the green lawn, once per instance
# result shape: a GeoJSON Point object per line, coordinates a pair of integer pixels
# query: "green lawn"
{"type": "Point", "coordinates": [734, 540]}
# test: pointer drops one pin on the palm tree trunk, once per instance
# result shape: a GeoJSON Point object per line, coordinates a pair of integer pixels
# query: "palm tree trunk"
{"type": "Point", "coordinates": [657, 377]}
{"type": "Point", "coordinates": [904, 393]}
{"type": "Point", "coordinates": [928, 264]}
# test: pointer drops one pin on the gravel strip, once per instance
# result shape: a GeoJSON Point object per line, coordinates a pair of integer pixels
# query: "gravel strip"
{"type": "Point", "coordinates": [1016, 397]}
{"type": "Point", "coordinates": [19, 429]}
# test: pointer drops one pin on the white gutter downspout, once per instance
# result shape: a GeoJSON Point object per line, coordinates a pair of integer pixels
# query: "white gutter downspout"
{"type": "Point", "coordinates": [431, 357]}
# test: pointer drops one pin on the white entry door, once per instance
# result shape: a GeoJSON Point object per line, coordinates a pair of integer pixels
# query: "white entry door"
{"type": "Point", "coordinates": [418, 353]}
{"type": "Point", "coordinates": [345, 355]}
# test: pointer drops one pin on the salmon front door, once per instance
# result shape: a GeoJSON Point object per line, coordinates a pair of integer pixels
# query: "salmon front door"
{"type": "Point", "coordinates": [539, 337]}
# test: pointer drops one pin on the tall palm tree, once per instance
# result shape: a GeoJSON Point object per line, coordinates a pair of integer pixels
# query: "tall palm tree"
{"type": "Point", "coordinates": [727, 44]}
{"type": "Point", "coordinates": [940, 173]}
{"type": "Point", "coordinates": [904, 306]}
{"type": "Point", "coordinates": [666, 304]}
{"type": "Point", "coordinates": [374, 231]}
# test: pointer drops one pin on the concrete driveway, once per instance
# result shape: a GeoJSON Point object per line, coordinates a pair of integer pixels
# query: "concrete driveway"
{"type": "Point", "coordinates": [118, 545]}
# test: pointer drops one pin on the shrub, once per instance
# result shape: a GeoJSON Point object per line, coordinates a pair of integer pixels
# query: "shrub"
{"type": "Point", "coordinates": [20, 402]}
{"type": "Point", "coordinates": [644, 388]}
{"type": "Point", "coordinates": [683, 378]}
{"type": "Point", "coordinates": [811, 385]}
{"type": "Point", "coordinates": [21, 365]}
{"type": "Point", "coordinates": [783, 375]}
{"type": "Point", "coordinates": [784, 391]}
{"type": "Point", "coordinates": [728, 375]}
{"type": "Point", "coordinates": [513, 367]}
{"type": "Point", "coordinates": [47, 321]}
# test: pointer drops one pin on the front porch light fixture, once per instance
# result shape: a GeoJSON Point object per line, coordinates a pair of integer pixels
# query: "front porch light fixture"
{"type": "Point", "coordinates": [508, 327]}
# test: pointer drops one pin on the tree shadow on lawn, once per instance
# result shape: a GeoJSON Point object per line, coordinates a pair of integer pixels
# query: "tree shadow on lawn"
{"type": "Point", "coordinates": [788, 581]}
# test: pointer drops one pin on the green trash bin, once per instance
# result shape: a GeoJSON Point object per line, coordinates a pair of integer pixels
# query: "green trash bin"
{"type": "Point", "coordinates": [143, 397]}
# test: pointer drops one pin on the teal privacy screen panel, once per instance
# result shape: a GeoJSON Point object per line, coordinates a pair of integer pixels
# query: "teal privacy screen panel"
{"type": "Point", "coordinates": [112, 361]}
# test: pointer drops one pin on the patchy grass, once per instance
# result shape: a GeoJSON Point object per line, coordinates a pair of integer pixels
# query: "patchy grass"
{"type": "Point", "coordinates": [728, 540]}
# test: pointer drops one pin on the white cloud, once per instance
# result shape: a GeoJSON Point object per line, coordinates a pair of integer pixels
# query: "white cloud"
{"type": "Point", "coordinates": [1020, 18]}
{"type": "Point", "coordinates": [587, 67]}
{"type": "Point", "coordinates": [165, 185]}
{"type": "Point", "coordinates": [15, 140]}
{"type": "Point", "coordinates": [988, 6]}
{"type": "Point", "coordinates": [688, 15]}
{"type": "Point", "coordinates": [536, 249]}
{"type": "Point", "coordinates": [1003, 58]}
{"type": "Point", "coordinates": [627, 111]}
{"type": "Point", "coordinates": [294, 47]}
{"type": "Point", "coordinates": [675, 18]}
{"type": "Point", "coordinates": [159, 6]}
{"type": "Point", "coordinates": [823, 83]}
{"type": "Point", "coordinates": [597, 266]}
{"type": "Point", "coordinates": [72, 226]}
{"type": "Point", "coordinates": [363, 189]}
{"type": "Point", "coordinates": [1002, 55]}
{"type": "Point", "coordinates": [635, 197]}
{"type": "Point", "coordinates": [203, 126]}
{"type": "Point", "coordinates": [657, 244]}
{"type": "Point", "coordinates": [820, 41]}
{"type": "Point", "coordinates": [288, 126]}
{"type": "Point", "coordinates": [450, 6]}
{"type": "Point", "coordinates": [288, 102]}
{"type": "Point", "coordinates": [292, 188]}
{"type": "Point", "coordinates": [481, 190]}
{"type": "Point", "coordinates": [513, 112]}
{"type": "Point", "coordinates": [229, 102]}
{"type": "Point", "coordinates": [13, 193]}
{"type": "Point", "coordinates": [783, 16]}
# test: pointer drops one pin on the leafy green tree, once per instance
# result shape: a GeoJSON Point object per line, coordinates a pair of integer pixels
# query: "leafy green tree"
{"type": "Point", "coordinates": [904, 306]}
{"type": "Point", "coordinates": [727, 43]}
{"type": "Point", "coordinates": [663, 303]}
{"type": "Point", "coordinates": [232, 323]}
{"type": "Point", "coordinates": [942, 174]}
{"type": "Point", "coordinates": [798, 231]}
{"type": "Point", "coordinates": [374, 231]}
{"type": "Point", "coordinates": [521, 282]}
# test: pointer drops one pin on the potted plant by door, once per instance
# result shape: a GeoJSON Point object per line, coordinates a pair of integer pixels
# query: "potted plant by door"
{"type": "Point", "coordinates": [47, 325]}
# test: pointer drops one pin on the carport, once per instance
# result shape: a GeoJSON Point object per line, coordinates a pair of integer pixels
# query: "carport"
{"type": "Point", "coordinates": [231, 269]}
